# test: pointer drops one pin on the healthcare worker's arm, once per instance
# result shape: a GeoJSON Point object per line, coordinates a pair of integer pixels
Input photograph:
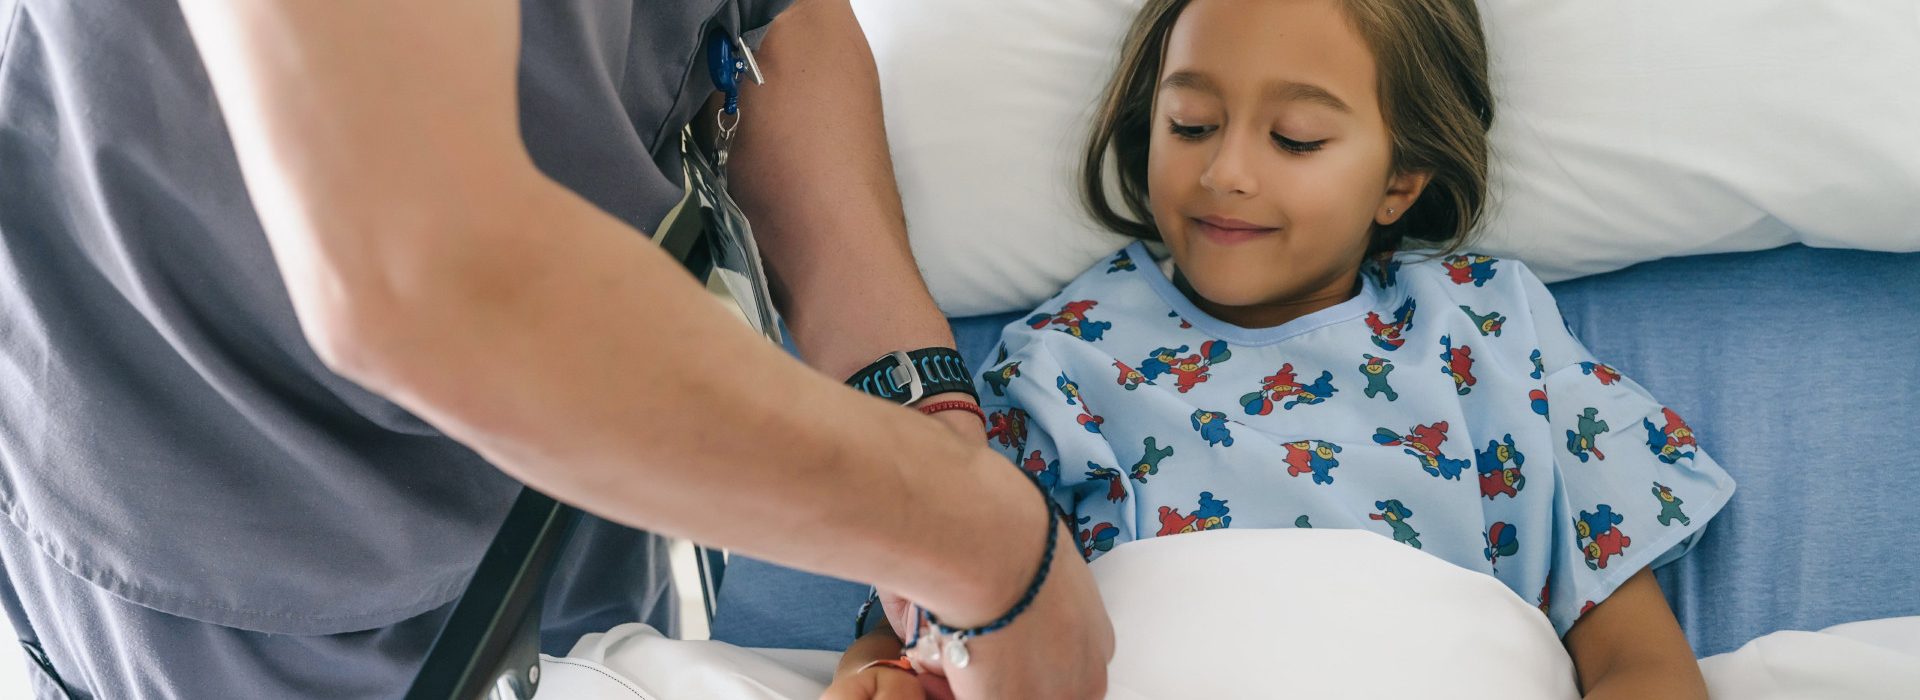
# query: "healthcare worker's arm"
{"type": "Point", "coordinates": [810, 167]}
{"type": "Point", "coordinates": [429, 260]}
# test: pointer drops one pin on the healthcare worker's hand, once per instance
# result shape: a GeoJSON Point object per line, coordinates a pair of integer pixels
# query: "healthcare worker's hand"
{"type": "Point", "coordinates": [1058, 648]}
{"type": "Point", "coordinates": [966, 425]}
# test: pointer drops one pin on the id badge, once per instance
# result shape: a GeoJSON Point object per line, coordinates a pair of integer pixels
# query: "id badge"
{"type": "Point", "coordinates": [729, 239]}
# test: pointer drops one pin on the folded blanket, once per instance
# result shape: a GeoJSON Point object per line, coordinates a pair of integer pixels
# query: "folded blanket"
{"type": "Point", "coordinates": [1319, 613]}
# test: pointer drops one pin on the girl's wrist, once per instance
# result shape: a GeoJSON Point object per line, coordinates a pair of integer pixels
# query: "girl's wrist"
{"type": "Point", "coordinates": [878, 645]}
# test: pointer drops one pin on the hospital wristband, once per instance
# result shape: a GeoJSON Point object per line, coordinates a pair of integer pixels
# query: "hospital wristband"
{"type": "Point", "coordinates": [901, 663]}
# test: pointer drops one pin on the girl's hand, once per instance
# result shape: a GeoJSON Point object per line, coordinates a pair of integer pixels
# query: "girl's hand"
{"type": "Point", "coordinates": [863, 674]}
{"type": "Point", "coordinates": [876, 683]}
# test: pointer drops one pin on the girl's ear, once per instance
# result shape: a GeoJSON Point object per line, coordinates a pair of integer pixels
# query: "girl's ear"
{"type": "Point", "coordinates": [1402, 190]}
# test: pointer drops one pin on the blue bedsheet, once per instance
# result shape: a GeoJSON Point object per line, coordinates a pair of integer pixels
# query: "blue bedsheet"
{"type": "Point", "coordinates": [1798, 367]}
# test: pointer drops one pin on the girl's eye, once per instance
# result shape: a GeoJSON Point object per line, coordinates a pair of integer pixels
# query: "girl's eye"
{"type": "Point", "coordinates": [1293, 146]}
{"type": "Point", "coordinates": [1190, 133]}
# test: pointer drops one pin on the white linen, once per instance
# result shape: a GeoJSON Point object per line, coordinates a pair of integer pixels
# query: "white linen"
{"type": "Point", "coordinates": [1319, 613]}
{"type": "Point", "coordinates": [1222, 614]}
{"type": "Point", "coordinates": [635, 662]}
{"type": "Point", "coordinates": [1625, 131]}
{"type": "Point", "coordinates": [1870, 660]}
{"type": "Point", "coordinates": [1284, 613]}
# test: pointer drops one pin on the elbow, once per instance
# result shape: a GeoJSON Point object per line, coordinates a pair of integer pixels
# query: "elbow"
{"type": "Point", "coordinates": [372, 313]}
{"type": "Point", "coordinates": [357, 337]}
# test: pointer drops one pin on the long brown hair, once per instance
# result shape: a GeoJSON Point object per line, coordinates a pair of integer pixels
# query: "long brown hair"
{"type": "Point", "coordinates": [1434, 95]}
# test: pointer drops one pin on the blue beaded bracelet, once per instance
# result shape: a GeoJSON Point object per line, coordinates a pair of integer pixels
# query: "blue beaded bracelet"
{"type": "Point", "coordinates": [953, 646]}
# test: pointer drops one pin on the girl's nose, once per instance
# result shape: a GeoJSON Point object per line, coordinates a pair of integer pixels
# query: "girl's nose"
{"type": "Point", "coordinates": [1228, 175]}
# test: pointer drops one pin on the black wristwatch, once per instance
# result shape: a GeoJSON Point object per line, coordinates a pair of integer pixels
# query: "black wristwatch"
{"type": "Point", "coordinates": [904, 377]}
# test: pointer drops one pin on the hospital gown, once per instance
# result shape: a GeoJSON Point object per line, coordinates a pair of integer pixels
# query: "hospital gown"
{"type": "Point", "coordinates": [1446, 406]}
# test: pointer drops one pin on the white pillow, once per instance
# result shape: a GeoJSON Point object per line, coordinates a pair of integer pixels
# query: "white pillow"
{"type": "Point", "coordinates": [1625, 131]}
{"type": "Point", "coordinates": [1316, 613]}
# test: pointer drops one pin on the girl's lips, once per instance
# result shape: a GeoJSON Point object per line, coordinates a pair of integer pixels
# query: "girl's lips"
{"type": "Point", "coordinates": [1225, 231]}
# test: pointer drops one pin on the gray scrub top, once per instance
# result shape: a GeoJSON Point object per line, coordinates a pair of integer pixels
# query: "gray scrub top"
{"type": "Point", "coordinates": [165, 431]}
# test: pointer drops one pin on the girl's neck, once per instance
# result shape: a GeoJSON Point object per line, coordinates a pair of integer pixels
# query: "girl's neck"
{"type": "Point", "coordinates": [1273, 313]}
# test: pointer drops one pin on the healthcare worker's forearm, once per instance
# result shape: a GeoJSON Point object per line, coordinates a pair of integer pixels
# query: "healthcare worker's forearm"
{"type": "Point", "coordinates": [428, 259]}
{"type": "Point", "coordinates": [811, 167]}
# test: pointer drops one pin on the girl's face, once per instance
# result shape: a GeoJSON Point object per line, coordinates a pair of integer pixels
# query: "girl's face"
{"type": "Point", "coordinates": [1270, 160]}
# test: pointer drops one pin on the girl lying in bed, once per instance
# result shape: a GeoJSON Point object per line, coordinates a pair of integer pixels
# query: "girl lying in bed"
{"type": "Point", "coordinates": [1289, 366]}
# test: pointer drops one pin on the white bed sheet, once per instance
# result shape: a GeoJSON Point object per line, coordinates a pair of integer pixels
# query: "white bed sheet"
{"type": "Point", "coordinates": [1297, 613]}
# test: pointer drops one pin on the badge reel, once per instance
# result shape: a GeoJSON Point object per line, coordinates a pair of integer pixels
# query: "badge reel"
{"type": "Point", "coordinates": [736, 256]}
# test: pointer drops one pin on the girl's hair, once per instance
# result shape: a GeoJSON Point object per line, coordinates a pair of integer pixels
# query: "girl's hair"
{"type": "Point", "coordinates": [1434, 95]}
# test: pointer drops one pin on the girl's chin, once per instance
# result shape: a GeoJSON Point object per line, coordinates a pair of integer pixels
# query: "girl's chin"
{"type": "Point", "coordinates": [1230, 294]}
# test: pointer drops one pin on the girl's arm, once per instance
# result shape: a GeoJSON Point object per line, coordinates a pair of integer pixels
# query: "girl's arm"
{"type": "Point", "coordinates": [1630, 646]}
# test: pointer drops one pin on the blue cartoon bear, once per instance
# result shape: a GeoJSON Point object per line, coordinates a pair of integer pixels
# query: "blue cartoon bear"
{"type": "Point", "coordinates": [1597, 537]}
{"type": "Point", "coordinates": [1212, 512]}
{"type": "Point", "coordinates": [1159, 362]}
{"type": "Point", "coordinates": [1598, 522]}
{"type": "Point", "coordinates": [1495, 476]}
{"type": "Point", "coordinates": [1212, 426]}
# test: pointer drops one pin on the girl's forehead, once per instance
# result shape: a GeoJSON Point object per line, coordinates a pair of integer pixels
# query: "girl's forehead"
{"type": "Point", "coordinates": [1271, 50]}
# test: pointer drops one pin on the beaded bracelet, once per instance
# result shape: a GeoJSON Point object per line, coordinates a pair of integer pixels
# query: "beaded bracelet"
{"type": "Point", "coordinates": [952, 641]}
{"type": "Point", "coordinates": [956, 405]}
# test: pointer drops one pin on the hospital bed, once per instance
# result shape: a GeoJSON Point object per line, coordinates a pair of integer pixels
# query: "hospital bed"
{"type": "Point", "coordinates": [1799, 367]}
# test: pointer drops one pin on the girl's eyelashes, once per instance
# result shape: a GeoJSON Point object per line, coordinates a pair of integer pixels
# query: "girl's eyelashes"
{"type": "Point", "coordinates": [1196, 132]}
{"type": "Point", "coordinates": [1293, 146]}
{"type": "Point", "coordinates": [1190, 132]}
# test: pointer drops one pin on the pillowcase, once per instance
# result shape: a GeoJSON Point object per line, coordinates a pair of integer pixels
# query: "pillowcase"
{"type": "Point", "coordinates": [1624, 132]}
{"type": "Point", "coordinates": [1317, 613]}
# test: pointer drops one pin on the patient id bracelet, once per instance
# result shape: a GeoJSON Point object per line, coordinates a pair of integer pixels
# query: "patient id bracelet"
{"type": "Point", "coordinates": [950, 643]}
{"type": "Point", "coordinates": [905, 377]}
{"type": "Point", "coordinates": [901, 663]}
